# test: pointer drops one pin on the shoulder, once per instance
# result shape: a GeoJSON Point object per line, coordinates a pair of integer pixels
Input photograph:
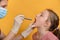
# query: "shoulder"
{"type": "Point", "coordinates": [51, 36]}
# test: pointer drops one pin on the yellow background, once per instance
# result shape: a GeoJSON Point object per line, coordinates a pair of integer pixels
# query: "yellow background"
{"type": "Point", "coordinates": [29, 8]}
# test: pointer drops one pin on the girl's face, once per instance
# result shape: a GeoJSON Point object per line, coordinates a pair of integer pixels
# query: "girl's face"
{"type": "Point", "coordinates": [4, 3]}
{"type": "Point", "coordinates": [41, 18]}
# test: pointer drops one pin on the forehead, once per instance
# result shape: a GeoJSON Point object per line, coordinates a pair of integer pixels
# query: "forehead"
{"type": "Point", "coordinates": [45, 13]}
{"type": "Point", "coordinates": [4, 0]}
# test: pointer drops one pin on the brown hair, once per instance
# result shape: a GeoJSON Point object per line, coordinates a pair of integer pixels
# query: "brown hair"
{"type": "Point", "coordinates": [0, 0]}
{"type": "Point", "coordinates": [54, 18]}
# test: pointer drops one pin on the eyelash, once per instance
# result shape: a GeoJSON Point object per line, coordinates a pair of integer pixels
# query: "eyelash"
{"type": "Point", "coordinates": [40, 15]}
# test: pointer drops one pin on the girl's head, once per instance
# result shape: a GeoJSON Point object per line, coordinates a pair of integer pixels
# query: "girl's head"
{"type": "Point", "coordinates": [3, 3]}
{"type": "Point", "coordinates": [48, 19]}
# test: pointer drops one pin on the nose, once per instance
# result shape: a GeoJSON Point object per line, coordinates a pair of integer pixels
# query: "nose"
{"type": "Point", "coordinates": [38, 15]}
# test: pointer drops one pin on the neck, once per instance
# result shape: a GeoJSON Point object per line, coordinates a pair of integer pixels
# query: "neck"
{"type": "Point", "coordinates": [41, 32]}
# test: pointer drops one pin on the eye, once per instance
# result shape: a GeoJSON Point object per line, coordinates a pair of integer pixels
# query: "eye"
{"type": "Point", "coordinates": [41, 15]}
{"type": "Point", "coordinates": [7, 0]}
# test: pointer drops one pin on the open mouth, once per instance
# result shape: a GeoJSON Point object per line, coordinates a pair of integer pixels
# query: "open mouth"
{"type": "Point", "coordinates": [34, 21]}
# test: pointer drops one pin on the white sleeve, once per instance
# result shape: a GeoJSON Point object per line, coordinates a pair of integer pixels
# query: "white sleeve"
{"type": "Point", "coordinates": [17, 23]}
{"type": "Point", "coordinates": [27, 31]}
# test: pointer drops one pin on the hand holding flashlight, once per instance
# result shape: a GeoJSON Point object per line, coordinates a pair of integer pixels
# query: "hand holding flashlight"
{"type": "Point", "coordinates": [17, 23]}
